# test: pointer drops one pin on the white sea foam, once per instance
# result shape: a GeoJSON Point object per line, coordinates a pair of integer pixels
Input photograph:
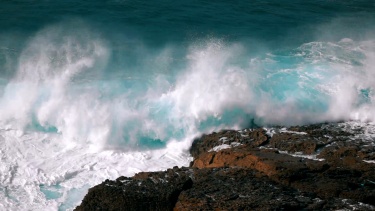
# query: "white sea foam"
{"type": "Point", "coordinates": [301, 155]}
{"type": "Point", "coordinates": [284, 130]}
{"type": "Point", "coordinates": [225, 146]}
{"type": "Point", "coordinates": [56, 127]}
{"type": "Point", "coordinates": [35, 162]}
{"type": "Point", "coordinates": [220, 147]}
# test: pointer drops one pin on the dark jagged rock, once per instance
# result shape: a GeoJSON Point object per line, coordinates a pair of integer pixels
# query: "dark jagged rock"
{"type": "Point", "coordinates": [256, 169]}
{"type": "Point", "coordinates": [294, 143]}
{"type": "Point", "coordinates": [144, 191]}
{"type": "Point", "coordinates": [253, 138]}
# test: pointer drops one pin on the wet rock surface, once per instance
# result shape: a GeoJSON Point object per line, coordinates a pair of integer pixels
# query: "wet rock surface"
{"type": "Point", "coordinates": [144, 191]}
{"type": "Point", "coordinates": [315, 167]}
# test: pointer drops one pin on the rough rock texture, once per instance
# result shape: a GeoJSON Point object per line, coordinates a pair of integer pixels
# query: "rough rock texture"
{"type": "Point", "coordinates": [240, 189]}
{"type": "Point", "coordinates": [316, 167]}
{"type": "Point", "coordinates": [144, 191]}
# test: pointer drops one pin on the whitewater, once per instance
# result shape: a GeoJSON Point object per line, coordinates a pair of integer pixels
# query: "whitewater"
{"type": "Point", "coordinates": [78, 106]}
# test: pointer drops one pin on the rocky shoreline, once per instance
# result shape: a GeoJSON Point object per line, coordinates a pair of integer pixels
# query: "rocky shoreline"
{"type": "Point", "coordinates": [315, 167]}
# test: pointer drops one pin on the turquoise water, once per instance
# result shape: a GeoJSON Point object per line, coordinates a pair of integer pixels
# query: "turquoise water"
{"type": "Point", "coordinates": [51, 192]}
{"type": "Point", "coordinates": [85, 77]}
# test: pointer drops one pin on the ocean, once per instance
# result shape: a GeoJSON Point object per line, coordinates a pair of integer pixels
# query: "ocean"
{"type": "Point", "coordinates": [93, 90]}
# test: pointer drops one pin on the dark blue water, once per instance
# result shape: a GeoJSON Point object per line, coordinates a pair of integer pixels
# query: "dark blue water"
{"type": "Point", "coordinates": [167, 21]}
{"type": "Point", "coordinates": [158, 23]}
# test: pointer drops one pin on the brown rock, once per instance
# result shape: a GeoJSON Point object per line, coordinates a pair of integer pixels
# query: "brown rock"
{"type": "Point", "coordinates": [293, 143]}
{"type": "Point", "coordinates": [265, 161]}
{"type": "Point", "coordinates": [255, 175]}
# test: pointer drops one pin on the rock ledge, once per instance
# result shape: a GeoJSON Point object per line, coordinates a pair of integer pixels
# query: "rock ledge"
{"type": "Point", "coordinates": [315, 167]}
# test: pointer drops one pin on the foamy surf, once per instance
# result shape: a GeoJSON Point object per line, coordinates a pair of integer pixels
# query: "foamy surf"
{"type": "Point", "coordinates": [39, 172]}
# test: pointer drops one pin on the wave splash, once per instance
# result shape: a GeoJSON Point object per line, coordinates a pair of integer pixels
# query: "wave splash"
{"type": "Point", "coordinates": [66, 105]}
{"type": "Point", "coordinates": [63, 84]}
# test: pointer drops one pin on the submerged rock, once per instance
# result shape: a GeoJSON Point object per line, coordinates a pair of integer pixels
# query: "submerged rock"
{"type": "Point", "coordinates": [316, 167]}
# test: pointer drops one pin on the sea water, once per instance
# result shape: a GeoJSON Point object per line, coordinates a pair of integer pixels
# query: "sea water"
{"type": "Point", "coordinates": [94, 90]}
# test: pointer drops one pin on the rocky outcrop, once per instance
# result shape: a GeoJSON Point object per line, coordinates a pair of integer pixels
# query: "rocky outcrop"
{"type": "Point", "coordinates": [144, 191]}
{"type": "Point", "coordinates": [316, 167]}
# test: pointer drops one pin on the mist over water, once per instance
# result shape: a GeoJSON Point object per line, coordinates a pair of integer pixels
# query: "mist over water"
{"type": "Point", "coordinates": [96, 91]}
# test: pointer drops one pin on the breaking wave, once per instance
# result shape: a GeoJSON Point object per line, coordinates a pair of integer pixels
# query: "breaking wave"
{"type": "Point", "coordinates": [64, 84]}
{"type": "Point", "coordinates": [77, 109]}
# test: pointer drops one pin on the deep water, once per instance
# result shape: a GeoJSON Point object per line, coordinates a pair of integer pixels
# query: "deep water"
{"type": "Point", "coordinates": [91, 90]}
